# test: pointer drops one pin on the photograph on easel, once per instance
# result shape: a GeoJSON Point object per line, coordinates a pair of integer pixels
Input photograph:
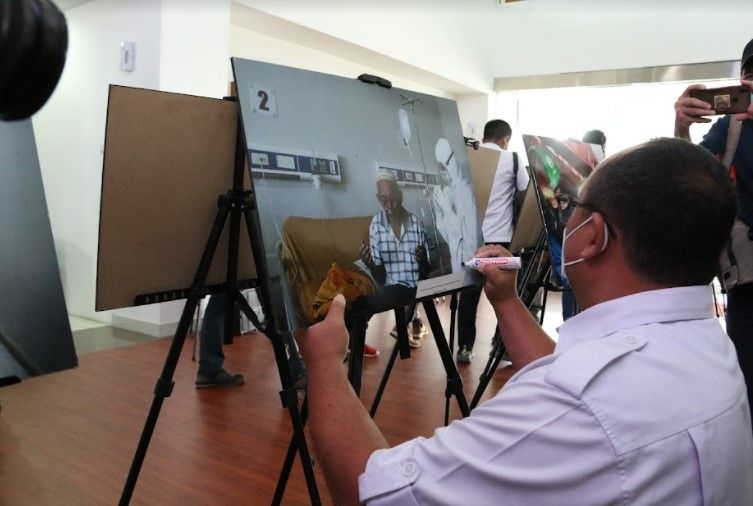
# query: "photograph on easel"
{"type": "Point", "coordinates": [559, 169]}
{"type": "Point", "coordinates": [360, 189]}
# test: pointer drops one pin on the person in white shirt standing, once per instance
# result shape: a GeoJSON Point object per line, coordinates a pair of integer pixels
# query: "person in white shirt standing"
{"type": "Point", "coordinates": [641, 401]}
{"type": "Point", "coordinates": [497, 226]}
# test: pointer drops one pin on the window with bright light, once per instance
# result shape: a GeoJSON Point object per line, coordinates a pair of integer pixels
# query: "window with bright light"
{"type": "Point", "coordinates": [628, 114]}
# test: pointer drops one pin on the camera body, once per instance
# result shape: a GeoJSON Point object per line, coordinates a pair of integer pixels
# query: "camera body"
{"type": "Point", "coordinates": [33, 46]}
{"type": "Point", "coordinates": [727, 100]}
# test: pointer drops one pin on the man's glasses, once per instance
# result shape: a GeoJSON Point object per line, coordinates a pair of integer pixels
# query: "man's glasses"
{"type": "Point", "coordinates": [567, 207]}
{"type": "Point", "coordinates": [565, 201]}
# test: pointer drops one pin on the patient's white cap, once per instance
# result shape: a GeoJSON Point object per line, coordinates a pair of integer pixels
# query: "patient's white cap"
{"type": "Point", "coordinates": [385, 175]}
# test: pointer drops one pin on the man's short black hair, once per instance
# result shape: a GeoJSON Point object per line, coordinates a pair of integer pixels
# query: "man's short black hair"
{"type": "Point", "coordinates": [673, 204]}
{"type": "Point", "coordinates": [496, 129]}
{"type": "Point", "coordinates": [595, 137]}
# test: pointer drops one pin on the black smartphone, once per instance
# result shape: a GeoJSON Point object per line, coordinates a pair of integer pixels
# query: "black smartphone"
{"type": "Point", "coordinates": [728, 100]}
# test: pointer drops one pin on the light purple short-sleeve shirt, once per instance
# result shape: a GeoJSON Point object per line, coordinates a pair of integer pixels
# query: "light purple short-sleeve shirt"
{"type": "Point", "coordinates": [642, 402]}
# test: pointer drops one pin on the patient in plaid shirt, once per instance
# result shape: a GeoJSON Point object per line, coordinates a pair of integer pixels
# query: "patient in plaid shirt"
{"type": "Point", "coordinates": [398, 244]}
{"type": "Point", "coordinates": [397, 255]}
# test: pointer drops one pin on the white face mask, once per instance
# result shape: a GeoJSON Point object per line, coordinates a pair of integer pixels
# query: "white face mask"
{"type": "Point", "coordinates": [567, 234]}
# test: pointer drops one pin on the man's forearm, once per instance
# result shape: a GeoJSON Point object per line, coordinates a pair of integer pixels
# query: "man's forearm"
{"type": "Point", "coordinates": [525, 340]}
{"type": "Point", "coordinates": [343, 433]}
{"type": "Point", "coordinates": [682, 131]}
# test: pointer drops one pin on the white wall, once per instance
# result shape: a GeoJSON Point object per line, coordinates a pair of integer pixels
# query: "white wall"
{"type": "Point", "coordinates": [182, 46]}
{"type": "Point", "coordinates": [474, 113]}
{"type": "Point", "coordinates": [247, 43]}
{"type": "Point", "coordinates": [194, 44]}
{"type": "Point", "coordinates": [426, 39]}
{"type": "Point", "coordinates": [70, 131]}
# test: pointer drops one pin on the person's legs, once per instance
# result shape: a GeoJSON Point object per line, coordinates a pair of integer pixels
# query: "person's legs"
{"type": "Point", "coordinates": [467, 309]}
{"type": "Point", "coordinates": [211, 356]}
{"type": "Point", "coordinates": [415, 326]}
{"type": "Point", "coordinates": [569, 305]}
{"type": "Point", "coordinates": [740, 331]}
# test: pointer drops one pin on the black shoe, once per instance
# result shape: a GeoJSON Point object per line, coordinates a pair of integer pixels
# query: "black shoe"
{"type": "Point", "coordinates": [464, 355]}
{"type": "Point", "coordinates": [221, 378]}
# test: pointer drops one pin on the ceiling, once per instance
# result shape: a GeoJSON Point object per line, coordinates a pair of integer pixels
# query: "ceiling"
{"type": "Point", "coordinates": [472, 42]}
{"type": "Point", "coordinates": [69, 4]}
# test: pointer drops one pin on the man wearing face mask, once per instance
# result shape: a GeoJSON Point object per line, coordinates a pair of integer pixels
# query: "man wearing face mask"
{"type": "Point", "coordinates": [641, 400]}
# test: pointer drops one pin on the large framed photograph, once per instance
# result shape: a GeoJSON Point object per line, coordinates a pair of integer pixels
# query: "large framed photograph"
{"type": "Point", "coordinates": [559, 168]}
{"type": "Point", "coordinates": [360, 190]}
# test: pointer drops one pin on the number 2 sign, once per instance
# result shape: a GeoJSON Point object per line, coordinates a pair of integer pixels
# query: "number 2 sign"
{"type": "Point", "coordinates": [263, 100]}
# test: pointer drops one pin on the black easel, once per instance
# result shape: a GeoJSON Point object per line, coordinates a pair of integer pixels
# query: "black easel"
{"type": "Point", "coordinates": [355, 365]}
{"type": "Point", "coordinates": [454, 383]}
{"type": "Point", "coordinates": [232, 205]}
{"type": "Point", "coordinates": [531, 279]}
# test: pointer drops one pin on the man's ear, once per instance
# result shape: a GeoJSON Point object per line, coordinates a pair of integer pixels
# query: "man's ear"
{"type": "Point", "coordinates": [593, 237]}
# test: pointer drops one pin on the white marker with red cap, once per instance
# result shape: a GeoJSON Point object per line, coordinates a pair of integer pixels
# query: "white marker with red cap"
{"type": "Point", "coordinates": [505, 263]}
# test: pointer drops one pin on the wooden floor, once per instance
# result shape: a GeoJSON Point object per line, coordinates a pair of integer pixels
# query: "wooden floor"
{"type": "Point", "coordinates": [68, 438]}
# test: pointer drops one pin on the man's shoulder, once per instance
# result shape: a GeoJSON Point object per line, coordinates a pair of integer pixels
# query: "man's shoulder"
{"type": "Point", "coordinates": [575, 369]}
{"type": "Point", "coordinates": [414, 220]}
{"type": "Point", "coordinates": [716, 137]}
{"type": "Point", "coordinates": [491, 145]}
{"type": "Point", "coordinates": [643, 387]}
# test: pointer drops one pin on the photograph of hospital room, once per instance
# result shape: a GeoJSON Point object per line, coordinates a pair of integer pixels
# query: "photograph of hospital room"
{"type": "Point", "coordinates": [369, 194]}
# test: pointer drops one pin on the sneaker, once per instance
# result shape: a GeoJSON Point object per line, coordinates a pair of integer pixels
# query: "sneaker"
{"type": "Point", "coordinates": [370, 351]}
{"type": "Point", "coordinates": [417, 329]}
{"type": "Point", "coordinates": [413, 341]}
{"type": "Point", "coordinates": [221, 378]}
{"type": "Point", "coordinates": [464, 355]}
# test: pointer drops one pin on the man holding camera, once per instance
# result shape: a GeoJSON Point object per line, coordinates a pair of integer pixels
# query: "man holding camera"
{"type": "Point", "coordinates": [731, 139]}
{"type": "Point", "coordinates": [640, 401]}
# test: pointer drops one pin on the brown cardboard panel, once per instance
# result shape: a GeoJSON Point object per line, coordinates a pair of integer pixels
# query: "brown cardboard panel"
{"type": "Point", "coordinates": [167, 159]}
{"type": "Point", "coordinates": [529, 225]}
{"type": "Point", "coordinates": [483, 163]}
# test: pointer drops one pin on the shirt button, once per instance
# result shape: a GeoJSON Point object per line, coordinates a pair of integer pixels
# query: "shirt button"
{"type": "Point", "coordinates": [631, 339]}
{"type": "Point", "coordinates": [409, 469]}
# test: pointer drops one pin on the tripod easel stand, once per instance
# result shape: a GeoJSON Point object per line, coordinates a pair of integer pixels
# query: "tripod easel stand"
{"type": "Point", "coordinates": [234, 204]}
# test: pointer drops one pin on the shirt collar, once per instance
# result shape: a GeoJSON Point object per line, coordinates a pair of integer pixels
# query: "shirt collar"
{"type": "Point", "coordinates": [654, 306]}
{"type": "Point", "coordinates": [385, 222]}
{"type": "Point", "coordinates": [491, 145]}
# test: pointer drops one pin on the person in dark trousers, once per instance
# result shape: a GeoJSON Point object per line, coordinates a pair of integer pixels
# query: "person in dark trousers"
{"type": "Point", "coordinates": [497, 226]}
{"type": "Point", "coordinates": [689, 110]}
{"type": "Point", "coordinates": [397, 253]}
{"type": "Point", "coordinates": [211, 372]}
